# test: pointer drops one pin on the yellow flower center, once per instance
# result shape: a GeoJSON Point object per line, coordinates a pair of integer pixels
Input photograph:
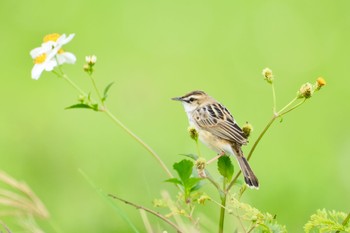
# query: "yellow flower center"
{"type": "Point", "coordinates": [40, 59]}
{"type": "Point", "coordinates": [51, 37]}
{"type": "Point", "coordinates": [60, 51]}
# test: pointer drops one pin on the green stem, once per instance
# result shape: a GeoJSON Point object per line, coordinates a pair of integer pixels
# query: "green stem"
{"type": "Point", "coordinates": [96, 89]}
{"type": "Point", "coordinates": [198, 150]}
{"type": "Point", "coordinates": [287, 106]}
{"type": "Point", "coordinates": [294, 107]}
{"type": "Point", "coordinates": [119, 123]}
{"type": "Point", "coordinates": [261, 136]}
{"type": "Point", "coordinates": [253, 149]}
{"type": "Point", "coordinates": [273, 97]}
{"type": "Point", "coordinates": [223, 207]}
{"type": "Point", "coordinates": [139, 140]}
{"type": "Point", "coordinates": [222, 214]}
{"type": "Point", "coordinates": [166, 220]}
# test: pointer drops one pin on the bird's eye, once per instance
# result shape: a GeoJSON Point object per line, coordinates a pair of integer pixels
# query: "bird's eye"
{"type": "Point", "coordinates": [191, 99]}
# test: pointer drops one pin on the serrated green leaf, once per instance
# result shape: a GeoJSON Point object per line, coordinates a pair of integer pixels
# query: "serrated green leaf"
{"type": "Point", "coordinates": [191, 156]}
{"type": "Point", "coordinates": [174, 181]}
{"type": "Point", "coordinates": [105, 92]}
{"type": "Point", "coordinates": [225, 167]}
{"type": "Point", "coordinates": [80, 106]}
{"type": "Point", "coordinates": [184, 170]}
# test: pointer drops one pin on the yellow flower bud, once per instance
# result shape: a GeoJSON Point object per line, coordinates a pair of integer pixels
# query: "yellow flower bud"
{"type": "Point", "coordinates": [320, 82]}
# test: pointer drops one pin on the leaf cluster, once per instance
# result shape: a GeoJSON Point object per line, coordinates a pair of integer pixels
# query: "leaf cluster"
{"type": "Point", "coordinates": [186, 180]}
{"type": "Point", "coordinates": [327, 221]}
{"type": "Point", "coordinates": [253, 218]}
{"type": "Point", "coordinates": [89, 103]}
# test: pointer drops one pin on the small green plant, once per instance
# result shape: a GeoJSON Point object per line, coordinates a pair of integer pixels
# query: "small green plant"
{"type": "Point", "coordinates": [192, 171]}
{"type": "Point", "coordinates": [328, 221]}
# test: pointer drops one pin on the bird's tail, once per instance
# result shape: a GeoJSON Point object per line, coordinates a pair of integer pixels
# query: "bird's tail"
{"type": "Point", "coordinates": [249, 176]}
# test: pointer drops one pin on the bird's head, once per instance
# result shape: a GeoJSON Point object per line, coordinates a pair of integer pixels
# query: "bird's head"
{"type": "Point", "coordinates": [193, 100]}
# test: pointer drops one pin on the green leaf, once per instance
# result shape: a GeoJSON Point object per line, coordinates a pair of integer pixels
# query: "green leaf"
{"type": "Point", "coordinates": [184, 169]}
{"type": "Point", "coordinates": [192, 183]}
{"type": "Point", "coordinates": [80, 106]}
{"type": "Point", "coordinates": [174, 181]}
{"type": "Point", "coordinates": [105, 92]}
{"type": "Point", "coordinates": [225, 167]}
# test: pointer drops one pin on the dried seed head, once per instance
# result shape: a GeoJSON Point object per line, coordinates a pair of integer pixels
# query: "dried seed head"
{"type": "Point", "coordinates": [267, 73]}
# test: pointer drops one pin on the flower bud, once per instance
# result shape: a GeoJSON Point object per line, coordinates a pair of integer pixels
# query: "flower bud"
{"type": "Point", "coordinates": [193, 133]}
{"type": "Point", "coordinates": [81, 98]}
{"type": "Point", "coordinates": [320, 82]}
{"type": "Point", "coordinates": [267, 73]}
{"type": "Point", "coordinates": [247, 129]}
{"type": "Point", "coordinates": [91, 60]}
{"type": "Point", "coordinates": [305, 91]}
{"type": "Point", "coordinates": [202, 199]}
{"type": "Point", "coordinates": [200, 165]}
{"type": "Point", "coordinates": [86, 68]}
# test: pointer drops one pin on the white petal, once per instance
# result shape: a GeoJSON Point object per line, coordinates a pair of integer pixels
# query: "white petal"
{"type": "Point", "coordinates": [66, 57]}
{"type": "Point", "coordinates": [50, 65]}
{"type": "Point", "coordinates": [37, 52]}
{"type": "Point", "coordinates": [64, 40]}
{"type": "Point", "coordinates": [37, 70]}
{"type": "Point", "coordinates": [53, 52]}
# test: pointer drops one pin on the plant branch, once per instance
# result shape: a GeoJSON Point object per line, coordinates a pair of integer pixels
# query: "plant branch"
{"type": "Point", "coordinates": [252, 150]}
{"type": "Point", "coordinates": [273, 97]}
{"type": "Point", "coordinates": [96, 89]}
{"type": "Point", "coordinates": [149, 211]}
{"type": "Point", "coordinates": [287, 106]}
{"type": "Point", "coordinates": [222, 213]}
{"type": "Point", "coordinates": [294, 107]}
{"type": "Point", "coordinates": [119, 123]}
{"type": "Point", "coordinates": [139, 140]}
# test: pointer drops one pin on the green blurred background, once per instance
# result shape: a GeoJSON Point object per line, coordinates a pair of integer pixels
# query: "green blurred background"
{"type": "Point", "coordinates": [157, 49]}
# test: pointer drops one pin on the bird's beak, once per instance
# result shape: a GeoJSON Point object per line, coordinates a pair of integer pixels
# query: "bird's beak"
{"type": "Point", "coordinates": [177, 98]}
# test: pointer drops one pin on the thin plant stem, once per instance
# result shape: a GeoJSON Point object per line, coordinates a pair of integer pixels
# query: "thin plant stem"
{"type": "Point", "coordinates": [65, 77]}
{"type": "Point", "coordinates": [217, 186]}
{"type": "Point", "coordinates": [294, 107]}
{"type": "Point", "coordinates": [275, 116]}
{"type": "Point", "coordinates": [96, 89]}
{"type": "Point", "coordinates": [146, 221]}
{"type": "Point", "coordinates": [139, 140]}
{"type": "Point", "coordinates": [198, 149]}
{"type": "Point", "coordinates": [149, 211]}
{"type": "Point", "coordinates": [273, 97]}
{"type": "Point", "coordinates": [119, 123]}
{"type": "Point", "coordinates": [288, 105]}
{"type": "Point", "coordinates": [253, 149]}
{"type": "Point", "coordinates": [105, 197]}
{"type": "Point", "coordinates": [222, 213]}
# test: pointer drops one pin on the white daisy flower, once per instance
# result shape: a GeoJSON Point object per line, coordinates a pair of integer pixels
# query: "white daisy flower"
{"type": "Point", "coordinates": [51, 54]}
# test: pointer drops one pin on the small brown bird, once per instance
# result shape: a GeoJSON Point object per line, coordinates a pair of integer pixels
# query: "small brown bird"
{"type": "Point", "coordinates": [217, 129]}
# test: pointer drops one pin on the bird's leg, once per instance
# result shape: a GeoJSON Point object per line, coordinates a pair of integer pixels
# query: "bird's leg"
{"type": "Point", "coordinates": [216, 157]}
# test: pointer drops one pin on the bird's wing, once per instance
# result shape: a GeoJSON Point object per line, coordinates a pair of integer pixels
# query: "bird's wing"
{"type": "Point", "coordinates": [217, 120]}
